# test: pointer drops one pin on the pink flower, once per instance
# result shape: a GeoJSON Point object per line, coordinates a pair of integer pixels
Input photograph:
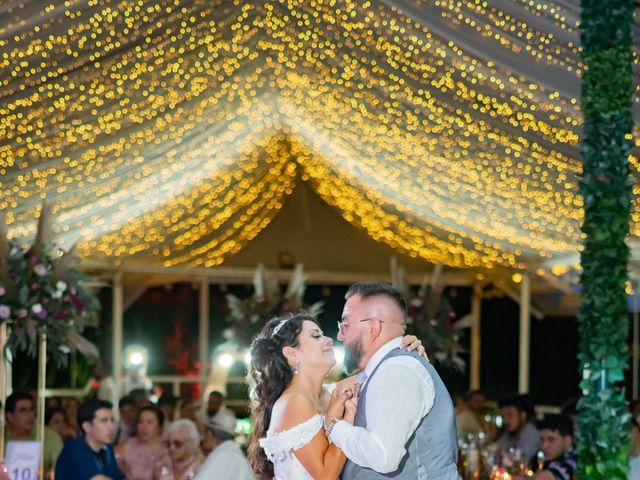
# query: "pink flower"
{"type": "Point", "coordinates": [22, 313]}
{"type": "Point", "coordinates": [42, 314]}
{"type": "Point", "coordinates": [2, 291]}
{"type": "Point", "coordinates": [5, 311]}
{"type": "Point", "coordinates": [77, 302]}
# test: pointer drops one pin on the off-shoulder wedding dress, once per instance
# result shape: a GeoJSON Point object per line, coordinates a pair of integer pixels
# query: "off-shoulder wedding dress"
{"type": "Point", "coordinates": [280, 447]}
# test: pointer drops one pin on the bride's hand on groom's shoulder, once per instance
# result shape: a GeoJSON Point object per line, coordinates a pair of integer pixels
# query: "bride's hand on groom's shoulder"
{"type": "Point", "coordinates": [411, 343]}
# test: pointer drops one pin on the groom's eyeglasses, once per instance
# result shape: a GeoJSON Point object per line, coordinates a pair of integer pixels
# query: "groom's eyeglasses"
{"type": "Point", "coordinates": [342, 325]}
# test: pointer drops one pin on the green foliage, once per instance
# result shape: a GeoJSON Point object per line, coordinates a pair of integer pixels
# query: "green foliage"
{"type": "Point", "coordinates": [606, 187]}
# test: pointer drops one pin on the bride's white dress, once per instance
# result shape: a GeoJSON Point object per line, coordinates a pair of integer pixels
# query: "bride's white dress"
{"type": "Point", "coordinates": [279, 448]}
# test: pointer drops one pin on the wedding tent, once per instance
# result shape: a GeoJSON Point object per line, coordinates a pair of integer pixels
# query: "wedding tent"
{"type": "Point", "coordinates": [174, 134]}
{"type": "Point", "coordinates": [192, 139]}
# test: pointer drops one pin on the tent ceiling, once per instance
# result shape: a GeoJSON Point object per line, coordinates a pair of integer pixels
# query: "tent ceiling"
{"type": "Point", "coordinates": [174, 133]}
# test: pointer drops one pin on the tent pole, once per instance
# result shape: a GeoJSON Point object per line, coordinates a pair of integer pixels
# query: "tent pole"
{"type": "Point", "coordinates": [203, 332]}
{"type": "Point", "coordinates": [116, 355]}
{"type": "Point", "coordinates": [476, 310]}
{"type": "Point", "coordinates": [525, 330]}
{"type": "Point", "coordinates": [636, 345]}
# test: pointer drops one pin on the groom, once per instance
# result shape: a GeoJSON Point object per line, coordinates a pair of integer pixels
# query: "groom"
{"type": "Point", "coordinates": [405, 423]}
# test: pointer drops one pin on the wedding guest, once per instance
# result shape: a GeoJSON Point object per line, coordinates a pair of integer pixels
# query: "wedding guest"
{"type": "Point", "coordinates": [634, 451]}
{"type": "Point", "coordinates": [470, 417]}
{"type": "Point", "coordinates": [139, 455]}
{"type": "Point", "coordinates": [225, 460]}
{"type": "Point", "coordinates": [56, 419]}
{"type": "Point", "coordinates": [183, 443]}
{"type": "Point", "coordinates": [90, 456]}
{"type": "Point", "coordinates": [556, 440]}
{"type": "Point", "coordinates": [215, 410]}
{"type": "Point", "coordinates": [186, 409]}
{"type": "Point", "coordinates": [128, 417]}
{"type": "Point", "coordinates": [519, 433]}
{"type": "Point", "coordinates": [20, 415]}
{"type": "Point", "coordinates": [71, 411]}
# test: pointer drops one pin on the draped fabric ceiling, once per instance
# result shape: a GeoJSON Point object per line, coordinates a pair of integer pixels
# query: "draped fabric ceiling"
{"type": "Point", "coordinates": [173, 132]}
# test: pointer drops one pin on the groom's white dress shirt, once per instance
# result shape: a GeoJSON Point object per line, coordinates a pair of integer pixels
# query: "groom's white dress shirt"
{"type": "Point", "coordinates": [399, 395]}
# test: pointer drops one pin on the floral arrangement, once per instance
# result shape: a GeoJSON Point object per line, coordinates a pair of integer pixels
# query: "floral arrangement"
{"type": "Point", "coordinates": [247, 317]}
{"type": "Point", "coordinates": [43, 291]}
{"type": "Point", "coordinates": [431, 318]}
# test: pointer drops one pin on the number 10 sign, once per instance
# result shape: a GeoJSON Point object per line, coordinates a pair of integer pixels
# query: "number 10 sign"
{"type": "Point", "coordinates": [22, 460]}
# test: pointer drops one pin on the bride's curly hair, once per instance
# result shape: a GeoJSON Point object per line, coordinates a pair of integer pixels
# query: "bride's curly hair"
{"type": "Point", "coordinates": [269, 375]}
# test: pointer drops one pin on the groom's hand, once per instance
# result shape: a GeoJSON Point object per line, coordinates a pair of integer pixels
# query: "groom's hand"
{"type": "Point", "coordinates": [351, 407]}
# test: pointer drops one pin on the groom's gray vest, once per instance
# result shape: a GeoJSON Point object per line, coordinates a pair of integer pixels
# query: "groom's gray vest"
{"type": "Point", "coordinates": [432, 451]}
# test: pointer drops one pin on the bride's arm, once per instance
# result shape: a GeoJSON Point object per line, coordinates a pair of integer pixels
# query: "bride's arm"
{"type": "Point", "coordinates": [319, 458]}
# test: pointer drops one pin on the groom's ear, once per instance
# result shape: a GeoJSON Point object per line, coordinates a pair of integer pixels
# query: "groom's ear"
{"type": "Point", "coordinates": [290, 354]}
{"type": "Point", "coordinates": [375, 329]}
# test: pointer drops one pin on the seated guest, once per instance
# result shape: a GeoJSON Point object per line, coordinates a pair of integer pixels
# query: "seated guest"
{"type": "Point", "coordinates": [139, 455]}
{"type": "Point", "coordinates": [215, 411]}
{"type": "Point", "coordinates": [128, 416]}
{"type": "Point", "coordinates": [556, 440]}
{"type": "Point", "coordinates": [519, 433]}
{"type": "Point", "coordinates": [183, 443]}
{"type": "Point", "coordinates": [56, 420]}
{"type": "Point", "coordinates": [71, 411]}
{"type": "Point", "coordinates": [634, 451]}
{"type": "Point", "coordinates": [90, 455]}
{"type": "Point", "coordinates": [167, 403]}
{"type": "Point", "coordinates": [470, 417]}
{"type": "Point", "coordinates": [20, 414]}
{"type": "Point", "coordinates": [225, 460]}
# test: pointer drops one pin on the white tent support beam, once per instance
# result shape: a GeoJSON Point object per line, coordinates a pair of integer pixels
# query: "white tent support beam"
{"type": "Point", "coordinates": [556, 283]}
{"type": "Point", "coordinates": [518, 298]}
{"type": "Point", "coordinates": [476, 310]}
{"type": "Point", "coordinates": [244, 274]}
{"type": "Point", "coordinates": [203, 330]}
{"type": "Point", "coordinates": [118, 316]}
{"type": "Point", "coordinates": [525, 337]}
{"type": "Point", "coordinates": [635, 348]}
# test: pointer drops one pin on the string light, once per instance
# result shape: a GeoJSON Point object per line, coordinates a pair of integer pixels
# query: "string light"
{"type": "Point", "coordinates": [176, 130]}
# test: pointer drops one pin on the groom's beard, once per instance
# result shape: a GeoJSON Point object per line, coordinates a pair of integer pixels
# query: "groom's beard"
{"type": "Point", "coordinates": [352, 356]}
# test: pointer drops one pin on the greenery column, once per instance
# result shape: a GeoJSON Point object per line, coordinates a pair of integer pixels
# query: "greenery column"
{"type": "Point", "coordinates": [606, 187]}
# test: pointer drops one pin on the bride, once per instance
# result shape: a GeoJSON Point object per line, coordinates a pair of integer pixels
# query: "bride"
{"type": "Point", "coordinates": [290, 359]}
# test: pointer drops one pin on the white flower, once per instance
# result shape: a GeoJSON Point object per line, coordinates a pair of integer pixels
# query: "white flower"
{"type": "Point", "coordinates": [61, 286]}
{"type": "Point", "coordinates": [36, 308]}
{"type": "Point", "coordinates": [40, 269]}
{"type": "Point", "coordinates": [57, 294]}
{"type": "Point", "coordinates": [4, 312]}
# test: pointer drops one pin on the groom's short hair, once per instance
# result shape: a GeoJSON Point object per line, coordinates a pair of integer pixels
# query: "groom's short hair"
{"type": "Point", "coordinates": [373, 289]}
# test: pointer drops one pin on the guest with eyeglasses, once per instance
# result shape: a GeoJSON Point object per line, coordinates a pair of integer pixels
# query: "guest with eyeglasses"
{"type": "Point", "coordinates": [183, 443]}
{"type": "Point", "coordinates": [20, 416]}
{"type": "Point", "coordinates": [139, 455]}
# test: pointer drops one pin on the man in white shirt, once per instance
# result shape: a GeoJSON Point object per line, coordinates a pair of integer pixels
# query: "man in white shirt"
{"type": "Point", "coordinates": [215, 411]}
{"type": "Point", "coordinates": [405, 425]}
{"type": "Point", "coordinates": [225, 460]}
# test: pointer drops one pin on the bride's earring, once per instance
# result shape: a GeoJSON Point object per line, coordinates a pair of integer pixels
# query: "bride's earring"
{"type": "Point", "coordinates": [296, 368]}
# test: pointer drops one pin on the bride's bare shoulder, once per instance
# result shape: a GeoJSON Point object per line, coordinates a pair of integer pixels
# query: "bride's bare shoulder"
{"type": "Point", "coordinates": [291, 409]}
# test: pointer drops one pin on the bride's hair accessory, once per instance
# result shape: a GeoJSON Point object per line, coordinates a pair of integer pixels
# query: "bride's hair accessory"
{"type": "Point", "coordinates": [279, 326]}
